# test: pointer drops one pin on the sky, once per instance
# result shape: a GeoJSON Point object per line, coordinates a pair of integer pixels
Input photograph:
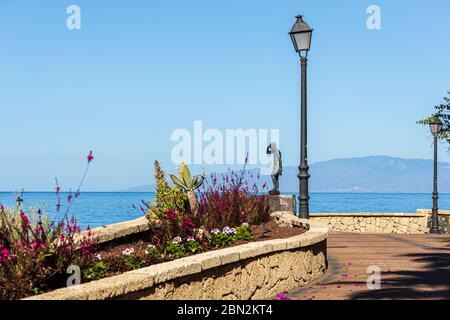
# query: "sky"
{"type": "Point", "coordinates": [136, 71]}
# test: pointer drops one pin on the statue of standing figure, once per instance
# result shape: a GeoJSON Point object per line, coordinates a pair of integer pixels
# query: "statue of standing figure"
{"type": "Point", "coordinates": [277, 168]}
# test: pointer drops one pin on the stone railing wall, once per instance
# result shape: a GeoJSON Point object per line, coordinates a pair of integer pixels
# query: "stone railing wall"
{"type": "Point", "coordinates": [402, 223]}
{"type": "Point", "coordinates": [443, 218]}
{"type": "Point", "coordinates": [256, 270]}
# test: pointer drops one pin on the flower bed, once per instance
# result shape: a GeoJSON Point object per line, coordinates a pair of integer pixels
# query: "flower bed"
{"type": "Point", "coordinates": [185, 221]}
{"type": "Point", "coordinates": [179, 224]}
{"type": "Point", "coordinates": [133, 252]}
{"type": "Point", "coordinates": [256, 270]}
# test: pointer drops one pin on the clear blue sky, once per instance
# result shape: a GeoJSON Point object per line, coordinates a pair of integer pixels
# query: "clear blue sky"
{"type": "Point", "coordinates": [137, 70]}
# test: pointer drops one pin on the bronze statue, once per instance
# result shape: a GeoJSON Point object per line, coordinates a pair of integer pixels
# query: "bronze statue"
{"type": "Point", "coordinates": [277, 168]}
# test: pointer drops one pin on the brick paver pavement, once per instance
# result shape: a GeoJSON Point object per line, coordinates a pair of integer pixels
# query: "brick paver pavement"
{"type": "Point", "coordinates": [412, 267]}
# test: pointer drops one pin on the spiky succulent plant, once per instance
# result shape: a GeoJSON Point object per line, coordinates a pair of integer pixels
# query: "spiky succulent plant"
{"type": "Point", "coordinates": [188, 184]}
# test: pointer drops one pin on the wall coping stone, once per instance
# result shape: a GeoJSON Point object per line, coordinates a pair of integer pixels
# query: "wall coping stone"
{"type": "Point", "coordinates": [428, 212]}
{"type": "Point", "coordinates": [368, 214]}
{"type": "Point", "coordinates": [119, 230]}
{"type": "Point", "coordinates": [153, 275]}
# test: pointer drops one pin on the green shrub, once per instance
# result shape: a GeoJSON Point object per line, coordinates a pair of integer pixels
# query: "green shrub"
{"type": "Point", "coordinates": [98, 270]}
{"type": "Point", "coordinates": [130, 260]}
{"type": "Point", "coordinates": [218, 239]}
{"type": "Point", "coordinates": [192, 246]}
{"type": "Point", "coordinates": [244, 232]}
{"type": "Point", "coordinates": [153, 251]}
{"type": "Point", "coordinates": [175, 248]}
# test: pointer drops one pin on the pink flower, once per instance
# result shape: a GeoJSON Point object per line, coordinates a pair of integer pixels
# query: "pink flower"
{"type": "Point", "coordinates": [128, 251]}
{"type": "Point", "coordinates": [188, 225]}
{"type": "Point", "coordinates": [281, 296]}
{"type": "Point", "coordinates": [171, 214]}
{"type": "Point", "coordinates": [90, 157]}
{"type": "Point", "coordinates": [25, 221]}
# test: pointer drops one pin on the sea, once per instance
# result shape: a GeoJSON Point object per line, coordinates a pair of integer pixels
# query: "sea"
{"type": "Point", "coordinates": [96, 209]}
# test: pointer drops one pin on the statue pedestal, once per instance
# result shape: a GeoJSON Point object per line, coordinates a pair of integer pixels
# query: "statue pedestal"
{"type": "Point", "coordinates": [283, 203]}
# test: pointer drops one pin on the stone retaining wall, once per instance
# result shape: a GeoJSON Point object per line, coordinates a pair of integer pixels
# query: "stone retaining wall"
{"type": "Point", "coordinates": [256, 270]}
{"type": "Point", "coordinates": [401, 223]}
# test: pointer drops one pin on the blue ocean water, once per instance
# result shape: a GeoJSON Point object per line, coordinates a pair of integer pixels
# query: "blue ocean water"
{"type": "Point", "coordinates": [100, 208]}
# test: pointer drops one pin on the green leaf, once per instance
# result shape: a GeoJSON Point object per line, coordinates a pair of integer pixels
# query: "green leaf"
{"type": "Point", "coordinates": [186, 175]}
{"type": "Point", "coordinates": [177, 181]}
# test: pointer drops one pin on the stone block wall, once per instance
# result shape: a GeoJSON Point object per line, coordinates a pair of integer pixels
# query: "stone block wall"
{"type": "Point", "coordinates": [401, 223]}
{"type": "Point", "coordinates": [253, 279]}
{"type": "Point", "coordinates": [443, 218]}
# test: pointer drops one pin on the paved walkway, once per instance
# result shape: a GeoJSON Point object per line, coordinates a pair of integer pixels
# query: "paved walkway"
{"type": "Point", "coordinates": [412, 267]}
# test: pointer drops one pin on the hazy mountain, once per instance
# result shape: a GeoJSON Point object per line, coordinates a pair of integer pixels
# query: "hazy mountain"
{"type": "Point", "coordinates": [368, 174]}
{"type": "Point", "coordinates": [376, 174]}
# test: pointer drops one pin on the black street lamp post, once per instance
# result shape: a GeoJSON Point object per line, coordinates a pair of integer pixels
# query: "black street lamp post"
{"type": "Point", "coordinates": [301, 38]}
{"type": "Point", "coordinates": [435, 127]}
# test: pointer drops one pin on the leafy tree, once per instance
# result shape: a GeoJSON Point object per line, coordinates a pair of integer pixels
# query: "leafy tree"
{"type": "Point", "coordinates": [442, 113]}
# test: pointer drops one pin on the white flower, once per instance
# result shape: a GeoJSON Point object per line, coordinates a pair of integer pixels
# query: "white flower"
{"type": "Point", "coordinates": [128, 251]}
{"type": "Point", "coordinates": [190, 239]}
{"type": "Point", "coordinates": [177, 240]}
{"type": "Point", "coordinates": [245, 224]}
{"type": "Point", "coordinates": [215, 231]}
{"type": "Point", "coordinates": [98, 257]}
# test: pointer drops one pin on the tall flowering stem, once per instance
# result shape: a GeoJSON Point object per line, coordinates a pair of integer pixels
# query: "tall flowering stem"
{"type": "Point", "coordinates": [89, 158]}
{"type": "Point", "coordinates": [33, 250]}
{"type": "Point", "coordinates": [232, 199]}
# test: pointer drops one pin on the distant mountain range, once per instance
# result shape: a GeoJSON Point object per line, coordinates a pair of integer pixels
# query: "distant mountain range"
{"type": "Point", "coordinates": [368, 174]}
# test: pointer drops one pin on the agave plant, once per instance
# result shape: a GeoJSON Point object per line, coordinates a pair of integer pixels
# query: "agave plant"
{"type": "Point", "coordinates": [188, 184]}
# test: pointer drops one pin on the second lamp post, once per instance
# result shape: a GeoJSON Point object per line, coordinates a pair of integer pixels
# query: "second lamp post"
{"type": "Point", "coordinates": [301, 38]}
{"type": "Point", "coordinates": [436, 128]}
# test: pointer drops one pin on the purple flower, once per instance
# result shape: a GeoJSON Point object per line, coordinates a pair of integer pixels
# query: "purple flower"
{"type": "Point", "coordinates": [229, 231]}
{"type": "Point", "coordinates": [190, 239]}
{"type": "Point", "coordinates": [177, 240]}
{"type": "Point", "coordinates": [245, 224]}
